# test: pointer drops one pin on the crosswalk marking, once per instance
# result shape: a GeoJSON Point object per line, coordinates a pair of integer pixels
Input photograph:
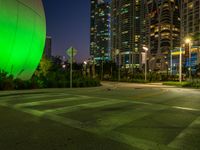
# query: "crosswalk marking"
{"type": "Point", "coordinates": [137, 142]}
{"type": "Point", "coordinates": [53, 114]}
{"type": "Point", "coordinates": [30, 97]}
{"type": "Point", "coordinates": [185, 108]}
{"type": "Point", "coordinates": [37, 103]}
{"type": "Point", "coordinates": [80, 106]}
{"type": "Point", "coordinates": [187, 131]}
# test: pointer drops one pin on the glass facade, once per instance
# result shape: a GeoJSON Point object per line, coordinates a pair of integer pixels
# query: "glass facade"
{"type": "Point", "coordinates": [194, 60]}
{"type": "Point", "coordinates": [100, 30]}
{"type": "Point", "coordinates": [162, 30]}
{"type": "Point", "coordinates": [190, 15]}
{"type": "Point", "coordinates": [127, 18]}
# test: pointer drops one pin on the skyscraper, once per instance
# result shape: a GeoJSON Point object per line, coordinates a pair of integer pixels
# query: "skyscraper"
{"type": "Point", "coordinates": [162, 31]}
{"type": "Point", "coordinates": [127, 18]}
{"type": "Point", "coordinates": [92, 27]}
{"type": "Point", "coordinates": [100, 30]}
{"type": "Point", "coordinates": [190, 29]}
{"type": "Point", "coordinates": [190, 20]}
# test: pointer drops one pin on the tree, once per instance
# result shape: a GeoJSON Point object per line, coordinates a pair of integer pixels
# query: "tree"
{"type": "Point", "coordinates": [43, 68]}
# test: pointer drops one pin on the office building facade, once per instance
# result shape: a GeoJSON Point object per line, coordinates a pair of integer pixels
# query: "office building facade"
{"type": "Point", "coordinates": [100, 30]}
{"type": "Point", "coordinates": [162, 25]}
{"type": "Point", "coordinates": [190, 21]}
{"type": "Point", "coordinates": [127, 26]}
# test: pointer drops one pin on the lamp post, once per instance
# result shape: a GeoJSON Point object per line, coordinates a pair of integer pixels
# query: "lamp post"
{"type": "Point", "coordinates": [102, 64]}
{"type": "Point", "coordinates": [145, 70]}
{"type": "Point", "coordinates": [188, 41]}
{"type": "Point", "coordinates": [85, 68]}
{"type": "Point", "coordinates": [180, 65]}
{"type": "Point", "coordinates": [64, 66]}
{"type": "Point", "coordinates": [117, 52]}
{"type": "Point", "coordinates": [171, 63]}
{"type": "Point", "coordinates": [93, 68]}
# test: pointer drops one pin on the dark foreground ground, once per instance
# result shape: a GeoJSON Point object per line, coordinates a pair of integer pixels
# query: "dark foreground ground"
{"type": "Point", "coordinates": [116, 116]}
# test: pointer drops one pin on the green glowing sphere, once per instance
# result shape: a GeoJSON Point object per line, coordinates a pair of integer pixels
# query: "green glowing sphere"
{"type": "Point", "coordinates": [22, 36]}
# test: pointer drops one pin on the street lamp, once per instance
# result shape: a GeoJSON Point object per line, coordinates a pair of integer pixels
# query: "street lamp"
{"type": "Point", "coordinates": [93, 68]}
{"type": "Point", "coordinates": [102, 64]}
{"type": "Point", "coordinates": [117, 52]}
{"type": "Point", "coordinates": [180, 65]}
{"type": "Point", "coordinates": [85, 68]}
{"type": "Point", "coordinates": [64, 66]}
{"type": "Point", "coordinates": [189, 41]}
{"type": "Point", "coordinates": [146, 50]}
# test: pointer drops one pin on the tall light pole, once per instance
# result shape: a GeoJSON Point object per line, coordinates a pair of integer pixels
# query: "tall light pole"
{"type": "Point", "coordinates": [117, 53]}
{"type": "Point", "coordinates": [119, 70]}
{"type": "Point", "coordinates": [85, 68]}
{"type": "Point", "coordinates": [102, 64]}
{"type": "Point", "coordinates": [93, 68]}
{"type": "Point", "coordinates": [145, 70]}
{"type": "Point", "coordinates": [188, 41]}
{"type": "Point", "coordinates": [171, 63]}
{"type": "Point", "coordinates": [180, 65]}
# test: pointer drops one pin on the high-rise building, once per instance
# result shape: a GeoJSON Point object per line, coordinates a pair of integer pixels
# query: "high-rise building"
{"type": "Point", "coordinates": [100, 30]}
{"type": "Point", "coordinates": [48, 47]}
{"type": "Point", "coordinates": [92, 27]}
{"type": "Point", "coordinates": [190, 29]}
{"type": "Point", "coordinates": [190, 20]}
{"type": "Point", "coordinates": [162, 20]}
{"type": "Point", "coordinates": [127, 30]}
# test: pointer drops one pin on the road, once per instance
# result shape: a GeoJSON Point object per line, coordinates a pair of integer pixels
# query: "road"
{"type": "Point", "coordinates": [115, 116]}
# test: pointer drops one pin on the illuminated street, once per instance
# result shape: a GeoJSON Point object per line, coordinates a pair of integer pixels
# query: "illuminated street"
{"type": "Point", "coordinates": [115, 116]}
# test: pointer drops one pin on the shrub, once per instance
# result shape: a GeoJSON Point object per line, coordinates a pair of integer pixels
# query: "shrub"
{"type": "Point", "coordinates": [52, 80]}
{"type": "Point", "coordinates": [6, 81]}
{"type": "Point", "coordinates": [195, 83]}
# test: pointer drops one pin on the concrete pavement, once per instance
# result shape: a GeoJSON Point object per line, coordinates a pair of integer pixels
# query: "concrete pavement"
{"type": "Point", "coordinates": [114, 116]}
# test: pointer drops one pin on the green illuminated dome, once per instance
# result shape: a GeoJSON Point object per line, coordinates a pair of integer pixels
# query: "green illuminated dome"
{"type": "Point", "coordinates": [22, 36]}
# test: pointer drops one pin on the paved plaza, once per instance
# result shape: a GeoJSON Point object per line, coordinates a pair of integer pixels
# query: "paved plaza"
{"type": "Point", "coordinates": [115, 116]}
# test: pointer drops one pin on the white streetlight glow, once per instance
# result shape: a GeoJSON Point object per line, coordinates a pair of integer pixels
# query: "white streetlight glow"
{"type": "Point", "coordinates": [85, 62]}
{"type": "Point", "coordinates": [145, 48]}
{"type": "Point", "coordinates": [188, 40]}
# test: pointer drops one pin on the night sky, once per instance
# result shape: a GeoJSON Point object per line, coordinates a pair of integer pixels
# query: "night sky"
{"type": "Point", "coordinates": [68, 23]}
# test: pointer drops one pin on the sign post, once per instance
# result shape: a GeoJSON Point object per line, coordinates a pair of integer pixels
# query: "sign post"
{"type": "Point", "coordinates": [71, 52]}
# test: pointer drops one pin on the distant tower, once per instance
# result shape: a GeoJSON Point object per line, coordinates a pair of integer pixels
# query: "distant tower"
{"type": "Point", "coordinates": [100, 30]}
{"type": "Point", "coordinates": [48, 47]}
{"type": "Point", "coordinates": [92, 28]}
{"type": "Point", "coordinates": [127, 26]}
{"type": "Point", "coordinates": [162, 31]}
